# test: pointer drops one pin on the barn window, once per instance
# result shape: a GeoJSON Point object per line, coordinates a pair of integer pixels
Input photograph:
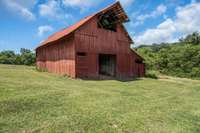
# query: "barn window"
{"type": "Point", "coordinates": [107, 22]}
{"type": "Point", "coordinates": [81, 54]}
{"type": "Point", "coordinates": [138, 61]}
{"type": "Point", "coordinates": [109, 19]}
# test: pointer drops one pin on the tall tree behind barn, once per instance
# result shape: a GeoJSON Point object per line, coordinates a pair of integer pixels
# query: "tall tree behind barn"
{"type": "Point", "coordinates": [97, 45]}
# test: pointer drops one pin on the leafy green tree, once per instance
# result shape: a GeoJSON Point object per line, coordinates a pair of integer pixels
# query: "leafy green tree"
{"type": "Point", "coordinates": [18, 60]}
{"type": "Point", "coordinates": [193, 38]}
{"type": "Point", "coordinates": [24, 51]}
{"type": "Point", "coordinates": [7, 57]}
{"type": "Point", "coordinates": [27, 57]}
{"type": "Point", "coordinates": [179, 59]}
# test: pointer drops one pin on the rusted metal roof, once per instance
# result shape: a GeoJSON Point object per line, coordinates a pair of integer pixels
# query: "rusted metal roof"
{"type": "Point", "coordinates": [56, 36]}
{"type": "Point", "coordinates": [60, 34]}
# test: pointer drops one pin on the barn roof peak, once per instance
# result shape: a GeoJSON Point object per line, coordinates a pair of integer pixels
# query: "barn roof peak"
{"type": "Point", "coordinates": [115, 10]}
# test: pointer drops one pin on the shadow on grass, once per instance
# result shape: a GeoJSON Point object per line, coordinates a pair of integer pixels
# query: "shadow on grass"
{"type": "Point", "coordinates": [99, 78]}
{"type": "Point", "coordinates": [107, 78]}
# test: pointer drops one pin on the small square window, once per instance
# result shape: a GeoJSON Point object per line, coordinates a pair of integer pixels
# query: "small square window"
{"type": "Point", "coordinates": [138, 61]}
{"type": "Point", "coordinates": [107, 22]}
{"type": "Point", "coordinates": [81, 54]}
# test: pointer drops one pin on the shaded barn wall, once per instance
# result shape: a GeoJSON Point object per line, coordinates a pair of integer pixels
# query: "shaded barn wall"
{"type": "Point", "coordinates": [139, 68]}
{"type": "Point", "coordinates": [93, 40]}
{"type": "Point", "coordinates": [58, 57]}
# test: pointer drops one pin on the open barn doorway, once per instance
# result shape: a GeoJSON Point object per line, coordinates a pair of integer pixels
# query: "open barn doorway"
{"type": "Point", "coordinates": [107, 65]}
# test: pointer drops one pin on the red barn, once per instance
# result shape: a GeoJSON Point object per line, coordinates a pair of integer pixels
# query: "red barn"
{"type": "Point", "coordinates": [96, 46]}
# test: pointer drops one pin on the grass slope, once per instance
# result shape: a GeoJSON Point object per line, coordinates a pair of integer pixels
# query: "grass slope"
{"type": "Point", "coordinates": [32, 101]}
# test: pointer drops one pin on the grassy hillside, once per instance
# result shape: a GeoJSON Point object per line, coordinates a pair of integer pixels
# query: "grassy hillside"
{"type": "Point", "coordinates": [180, 59]}
{"type": "Point", "coordinates": [32, 101]}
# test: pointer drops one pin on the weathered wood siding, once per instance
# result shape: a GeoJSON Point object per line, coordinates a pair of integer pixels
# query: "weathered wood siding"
{"type": "Point", "coordinates": [61, 56]}
{"type": "Point", "coordinates": [94, 41]}
{"type": "Point", "coordinates": [58, 57]}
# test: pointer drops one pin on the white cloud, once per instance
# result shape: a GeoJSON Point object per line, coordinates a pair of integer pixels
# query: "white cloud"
{"type": "Point", "coordinates": [89, 3]}
{"type": "Point", "coordinates": [82, 4]}
{"type": "Point", "coordinates": [43, 29]}
{"type": "Point", "coordinates": [186, 21]}
{"type": "Point", "coordinates": [79, 3]}
{"type": "Point", "coordinates": [52, 10]}
{"type": "Point", "coordinates": [126, 2]}
{"type": "Point", "coordinates": [22, 7]}
{"type": "Point", "coordinates": [162, 33]}
{"type": "Point", "coordinates": [49, 9]}
{"type": "Point", "coordinates": [75, 2]}
{"type": "Point", "coordinates": [160, 10]}
{"type": "Point", "coordinates": [26, 3]}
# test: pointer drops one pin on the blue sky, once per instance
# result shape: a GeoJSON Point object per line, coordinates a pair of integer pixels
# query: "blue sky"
{"type": "Point", "coordinates": [26, 23]}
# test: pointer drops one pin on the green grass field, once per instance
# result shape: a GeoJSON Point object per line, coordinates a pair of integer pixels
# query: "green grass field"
{"type": "Point", "coordinates": [32, 101]}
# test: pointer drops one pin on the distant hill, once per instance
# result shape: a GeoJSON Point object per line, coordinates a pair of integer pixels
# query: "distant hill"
{"type": "Point", "coordinates": [180, 59]}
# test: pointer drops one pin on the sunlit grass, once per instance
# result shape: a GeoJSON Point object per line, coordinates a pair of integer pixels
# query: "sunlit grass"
{"type": "Point", "coordinates": [32, 101]}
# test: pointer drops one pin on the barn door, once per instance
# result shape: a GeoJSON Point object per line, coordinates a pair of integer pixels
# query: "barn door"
{"type": "Point", "coordinates": [107, 64]}
{"type": "Point", "coordinates": [140, 68]}
{"type": "Point", "coordinates": [82, 64]}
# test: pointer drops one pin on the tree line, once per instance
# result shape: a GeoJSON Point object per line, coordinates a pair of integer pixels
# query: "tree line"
{"type": "Point", "coordinates": [180, 59]}
{"type": "Point", "coordinates": [25, 57]}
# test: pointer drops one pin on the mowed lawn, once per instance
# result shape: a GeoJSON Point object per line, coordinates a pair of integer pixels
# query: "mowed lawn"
{"type": "Point", "coordinates": [32, 101]}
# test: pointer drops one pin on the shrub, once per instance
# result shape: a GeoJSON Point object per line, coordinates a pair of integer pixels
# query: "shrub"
{"type": "Point", "coordinates": [152, 74]}
{"type": "Point", "coordinates": [41, 69]}
{"type": "Point", "coordinates": [195, 72]}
